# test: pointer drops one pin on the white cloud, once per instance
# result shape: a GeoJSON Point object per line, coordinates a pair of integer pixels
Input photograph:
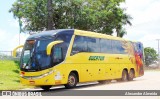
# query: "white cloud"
{"type": "Point", "coordinates": [8, 41]}
{"type": "Point", "coordinates": [146, 21]}
{"type": "Point", "coordinates": [150, 40]}
{"type": "Point", "coordinates": [2, 33]}
{"type": "Point", "coordinates": [13, 23]}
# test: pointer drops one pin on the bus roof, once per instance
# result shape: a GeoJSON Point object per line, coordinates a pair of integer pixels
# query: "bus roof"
{"type": "Point", "coordinates": [52, 33]}
{"type": "Point", "coordinates": [49, 33]}
{"type": "Point", "coordinates": [98, 35]}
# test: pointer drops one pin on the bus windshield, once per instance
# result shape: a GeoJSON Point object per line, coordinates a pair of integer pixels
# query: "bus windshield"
{"type": "Point", "coordinates": [28, 54]}
{"type": "Point", "coordinates": [42, 59]}
{"type": "Point", "coordinates": [34, 56]}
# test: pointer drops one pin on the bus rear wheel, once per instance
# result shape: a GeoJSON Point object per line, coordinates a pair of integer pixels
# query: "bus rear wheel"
{"type": "Point", "coordinates": [72, 81]}
{"type": "Point", "coordinates": [131, 75]}
{"type": "Point", "coordinates": [124, 76]}
{"type": "Point", "coordinates": [46, 87]}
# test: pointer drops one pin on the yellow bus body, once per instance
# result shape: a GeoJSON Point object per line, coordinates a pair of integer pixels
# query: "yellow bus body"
{"type": "Point", "coordinates": [87, 70]}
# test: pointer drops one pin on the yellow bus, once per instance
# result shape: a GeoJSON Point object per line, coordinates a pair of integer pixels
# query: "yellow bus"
{"type": "Point", "coordinates": [70, 56]}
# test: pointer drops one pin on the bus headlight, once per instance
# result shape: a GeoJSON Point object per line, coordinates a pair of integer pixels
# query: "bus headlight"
{"type": "Point", "coordinates": [37, 77]}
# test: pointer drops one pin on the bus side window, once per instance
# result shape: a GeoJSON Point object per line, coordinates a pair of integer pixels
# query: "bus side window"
{"type": "Point", "coordinates": [80, 45]}
{"type": "Point", "coordinates": [117, 47]}
{"type": "Point", "coordinates": [66, 40]}
{"type": "Point", "coordinates": [106, 46]}
{"type": "Point", "coordinates": [93, 44]}
{"type": "Point", "coordinates": [57, 54]}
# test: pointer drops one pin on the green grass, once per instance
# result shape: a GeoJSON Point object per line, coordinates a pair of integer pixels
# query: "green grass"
{"type": "Point", "coordinates": [9, 76]}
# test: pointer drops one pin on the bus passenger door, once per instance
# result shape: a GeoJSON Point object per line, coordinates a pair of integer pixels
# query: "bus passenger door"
{"type": "Point", "coordinates": [79, 57]}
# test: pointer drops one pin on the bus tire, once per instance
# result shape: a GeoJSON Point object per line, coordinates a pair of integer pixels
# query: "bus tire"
{"type": "Point", "coordinates": [124, 75]}
{"type": "Point", "coordinates": [46, 87]}
{"type": "Point", "coordinates": [72, 81]}
{"type": "Point", "coordinates": [131, 75]}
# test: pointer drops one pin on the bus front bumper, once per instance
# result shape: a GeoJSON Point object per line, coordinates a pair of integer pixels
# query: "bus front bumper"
{"type": "Point", "coordinates": [45, 79]}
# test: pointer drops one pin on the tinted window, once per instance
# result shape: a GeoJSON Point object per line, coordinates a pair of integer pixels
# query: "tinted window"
{"type": "Point", "coordinates": [42, 44]}
{"type": "Point", "coordinates": [66, 38]}
{"type": "Point", "coordinates": [117, 47]}
{"type": "Point", "coordinates": [106, 46]}
{"type": "Point", "coordinates": [42, 58]}
{"type": "Point", "coordinates": [93, 44]}
{"type": "Point", "coordinates": [79, 45]}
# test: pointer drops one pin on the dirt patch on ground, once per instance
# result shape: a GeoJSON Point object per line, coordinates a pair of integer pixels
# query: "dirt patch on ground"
{"type": "Point", "coordinates": [152, 68]}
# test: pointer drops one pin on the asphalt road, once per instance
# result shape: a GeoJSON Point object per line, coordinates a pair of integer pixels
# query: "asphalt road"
{"type": "Point", "coordinates": [150, 81]}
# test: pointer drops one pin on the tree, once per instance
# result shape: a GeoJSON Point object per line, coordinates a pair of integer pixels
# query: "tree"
{"type": "Point", "coordinates": [121, 32]}
{"type": "Point", "coordinates": [93, 15]}
{"type": "Point", "coordinates": [150, 55]}
{"type": "Point", "coordinates": [50, 15]}
{"type": "Point", "coordinates": [124, 20]}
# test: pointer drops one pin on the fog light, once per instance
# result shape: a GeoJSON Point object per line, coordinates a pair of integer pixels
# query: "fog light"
{"type": "Point", "coordinates": [32, 82]}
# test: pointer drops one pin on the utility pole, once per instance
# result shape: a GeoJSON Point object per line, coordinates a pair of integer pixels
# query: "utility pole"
{"type": "Point", "coordinates": [20, 30]}
{"type": "Point", "coordinates": [158, 46]}
{"type": "Point", "coordinates": [158, 53]}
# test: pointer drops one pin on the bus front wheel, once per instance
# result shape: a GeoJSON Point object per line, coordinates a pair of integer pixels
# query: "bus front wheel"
{"type": "Point", "coordinates": [72, 81]}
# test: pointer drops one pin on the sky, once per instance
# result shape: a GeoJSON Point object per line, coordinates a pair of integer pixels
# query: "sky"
{"type": "Point", "coordinates": [145, 24]}
{"type": "Point", "coordinates": [146, 21]}
{"type": "Point", "coordinates": [9, 27]}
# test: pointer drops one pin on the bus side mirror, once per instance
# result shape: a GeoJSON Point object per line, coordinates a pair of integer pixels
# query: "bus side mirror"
{"type": "Point", "coordinates": [15, 50]}
{"type": "Point", "coordinates": [50, 45]}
